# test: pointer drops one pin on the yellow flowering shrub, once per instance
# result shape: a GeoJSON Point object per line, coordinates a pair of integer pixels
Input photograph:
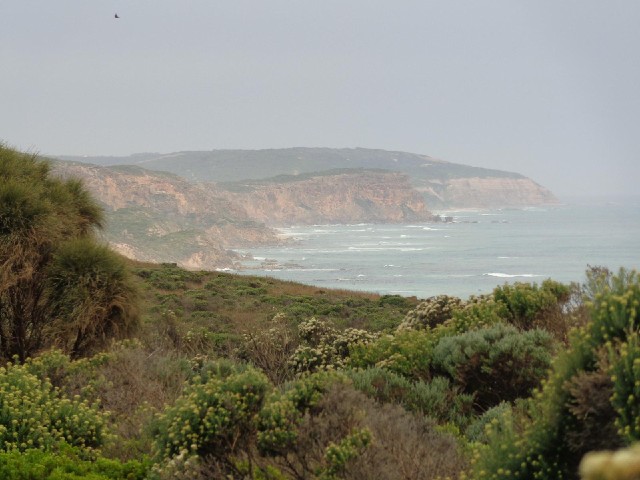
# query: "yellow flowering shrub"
{"type": "Point", "coordinates": [35, 415]}
{"type": "Point", "coordinates": [213, 416]}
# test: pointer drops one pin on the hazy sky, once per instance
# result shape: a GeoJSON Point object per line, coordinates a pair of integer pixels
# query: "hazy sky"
{"type": "Point", "coordinates": [547, 88]}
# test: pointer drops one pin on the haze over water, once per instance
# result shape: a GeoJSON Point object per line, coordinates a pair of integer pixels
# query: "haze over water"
{"type": "Point", "coordinates": [472, 255]}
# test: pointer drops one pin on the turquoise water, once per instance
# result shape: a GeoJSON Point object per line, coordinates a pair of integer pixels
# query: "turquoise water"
{"type": "Point", "coordinates": [475, 253]}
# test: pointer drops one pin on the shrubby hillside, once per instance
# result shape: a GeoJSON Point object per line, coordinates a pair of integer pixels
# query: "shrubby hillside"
{"type": "Point", "coordinates": [121, 370]}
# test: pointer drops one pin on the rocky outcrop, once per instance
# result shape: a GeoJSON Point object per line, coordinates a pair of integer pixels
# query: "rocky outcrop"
{"type": "Point", "coordinates": [344, 197]}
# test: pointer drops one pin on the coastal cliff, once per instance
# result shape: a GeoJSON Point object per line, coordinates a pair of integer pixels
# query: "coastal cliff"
{"type": "Point", "coordinates": [485, 192]}
{"type": "Point", "coordinates": [334, 197]}
{"type": "Point", "coordinates": [216, 202]}
{"type": "Point", "coordinates": [160, 217]}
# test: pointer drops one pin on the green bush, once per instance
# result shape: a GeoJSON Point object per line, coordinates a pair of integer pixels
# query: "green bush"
{"type": "Point", "coordinates": [34, 415]}
{"type": "Point", "coordinates": [436, 399]}
{"type": "Point", "coordinates": [323, 347]}
{"type": "Point", "coordinates": [625, 373]}
{"type": "Point", "coordinates": [279, 419]}
{"type": "Point", "coordinates": [67, 463]}
{"type": "Point", "coordinates": [495, 364]}
{"type": "Point", "coordinates": [57, 283]}
{"type": "Point", "coordinates": [615, 310]}
{"type": "Point", "coordinates": [476, 431]}
{"type": "Point", "coordinates": [215, 416]}
{"type": "Point", "coordinates": [525, 304]}
{"type": "Point", "coordinates": [548, 441]}
{"type": "Point", "coordinates": [431, 313]}
{"type": "Point", "coordinates": [92, 295]}
{"type": "Point", "coordinates": [406, 353]}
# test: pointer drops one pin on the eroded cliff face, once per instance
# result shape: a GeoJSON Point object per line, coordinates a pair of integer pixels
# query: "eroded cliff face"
{"type": "Point", "coordinates": [485, 192]}
{"type": "Point", "coordinates": [355, 197]}
{"type": "Point", "coordinates": [159, 217]}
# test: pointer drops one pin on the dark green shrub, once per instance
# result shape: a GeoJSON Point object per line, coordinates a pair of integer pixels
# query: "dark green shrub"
{"type": "Point", "coordinates": [476, 431]}
{"type": "Point", "coordinates": [590, 401]}
{"type": "Point", "coordinates": [495, 364]}
{"type": "Point", "coordinates": [437, 399]}
{"type": "Point", "coordinates": [92, 295]}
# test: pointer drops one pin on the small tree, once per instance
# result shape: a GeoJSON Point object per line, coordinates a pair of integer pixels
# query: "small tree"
{"type": "Point", "coordinates": [39, 215]}
{"type": "Point", "coordinates": [91, 295]}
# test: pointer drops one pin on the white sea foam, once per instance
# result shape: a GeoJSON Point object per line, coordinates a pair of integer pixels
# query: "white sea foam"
{"type": "Point", "coordinates": [507, 275]}
{"type": "Point", "coordinates": [313, 269]}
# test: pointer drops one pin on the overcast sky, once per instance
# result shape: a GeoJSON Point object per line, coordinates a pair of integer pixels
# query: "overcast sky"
{"type": "Point", "coordinates": [547, 88]}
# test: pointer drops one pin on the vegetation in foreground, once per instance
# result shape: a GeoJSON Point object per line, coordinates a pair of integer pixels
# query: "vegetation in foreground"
{"type": "Point", "coordinates": [115, 370]}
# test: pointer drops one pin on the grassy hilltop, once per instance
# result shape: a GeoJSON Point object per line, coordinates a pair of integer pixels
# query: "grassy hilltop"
{"type": "Point", "coordinates": [121, 370]}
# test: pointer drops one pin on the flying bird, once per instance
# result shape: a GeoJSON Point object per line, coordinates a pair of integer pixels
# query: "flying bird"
{"type": "Point", "coordinates": [116, 16]}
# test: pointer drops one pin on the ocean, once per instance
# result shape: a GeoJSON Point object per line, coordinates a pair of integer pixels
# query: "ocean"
{"type": "Point", "coordinates": [473, 254]}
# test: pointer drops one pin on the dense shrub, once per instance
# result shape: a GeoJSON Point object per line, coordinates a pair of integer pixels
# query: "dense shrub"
{"type": "Point", "coordinates": [431, 313]}
{"type": "Point", "coordinates": [214, 416]}
{"type": "Point", "coordinates": [324, 347]}
{"type": "Point", "coordinates": [271, 349]}
{"type": "Point", "coordinates": [437, 399]}
{"type": "Point", "coordinates": [476, 431]}
{"type": "Point", "coordinates": [625, 371]}
{"type": "Point", "coordinates": [404, 446]}
{"type": "Point", "coordinates": [34, 415]}
{"type": "Point", "coordinates": [495, 364]}
{"type": "Point", "coordinates": [406, 353]}
{"type": "Point", "coordinates": [549, 441]}
{"type": "Point", "coordinates": [280, 418]}
{"type": "Point", "coordinates": [67, 463]}
{"type": "Point", "coordinates": [52, 273]}
{"type": "Point", "coordinates": [527, 305]}
{"type": "Point", "coordinates": [92, 297]}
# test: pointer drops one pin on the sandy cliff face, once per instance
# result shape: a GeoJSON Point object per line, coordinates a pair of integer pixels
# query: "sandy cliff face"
{"type": "Point", "coordinates": [341, 198]}
{"type": "Point", "coordinates": [496, 192]}
{"type": "Point", "coordinates": [486, 192]}
{"type": "Point", "coordinates": [162, 218]}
